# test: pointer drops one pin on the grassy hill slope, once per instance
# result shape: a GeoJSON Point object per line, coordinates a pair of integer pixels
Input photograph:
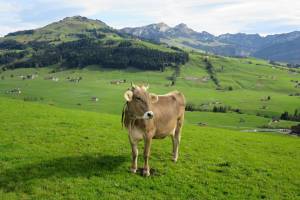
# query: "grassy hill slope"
{"type": "Point", "coordinates": [57, 142]}
{"type": "Point", "coordinates": [61, 153]}
{"type": "Point", "coordinates": [251, 80]}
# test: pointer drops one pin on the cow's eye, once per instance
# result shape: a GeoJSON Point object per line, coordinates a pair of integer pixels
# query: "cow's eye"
{"type": "Point", "coordinates": [138, 98]}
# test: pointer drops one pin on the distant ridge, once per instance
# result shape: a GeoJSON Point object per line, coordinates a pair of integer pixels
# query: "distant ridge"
{"type": "Point", "coordinates": [279, 47]}
{"type": "Point", "coordinates": [239, 44]}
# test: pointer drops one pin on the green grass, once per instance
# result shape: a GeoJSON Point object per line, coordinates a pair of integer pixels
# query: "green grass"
{"type": "Point", "coordinates": [251, 83]}
{"type": "Point", "coordinates": [58, 144]}
{"type": "Point", "coordinates": [234, 120]}
{"type": "Point", "coordinates": [65, 153]}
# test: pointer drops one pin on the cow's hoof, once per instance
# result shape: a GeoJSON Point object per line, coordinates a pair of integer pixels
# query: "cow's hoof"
{"type": "Point", "coordinates": [174, 160]}
{"type": "Point", "coordinates": [146, 173]}
{"type": "Point", "coordinates": [132, 170]}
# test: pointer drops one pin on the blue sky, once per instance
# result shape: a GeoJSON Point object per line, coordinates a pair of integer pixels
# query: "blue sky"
{"type": "Point", "coordinates": [215, 16]}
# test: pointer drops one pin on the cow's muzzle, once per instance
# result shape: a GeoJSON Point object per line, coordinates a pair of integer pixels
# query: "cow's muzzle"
{"type": "Point", "coordinates": [148, 115]}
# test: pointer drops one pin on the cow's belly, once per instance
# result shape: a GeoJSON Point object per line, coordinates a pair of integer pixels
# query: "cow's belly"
{"type": "Point", "coordinates": [165, 129]}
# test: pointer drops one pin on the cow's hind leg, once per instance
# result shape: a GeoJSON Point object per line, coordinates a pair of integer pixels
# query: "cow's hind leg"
{"type": "Point", "coordinates": [176, 138]}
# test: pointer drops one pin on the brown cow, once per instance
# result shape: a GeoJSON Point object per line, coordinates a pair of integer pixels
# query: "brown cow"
{"type": "Point", "coordinates": [148, 116]}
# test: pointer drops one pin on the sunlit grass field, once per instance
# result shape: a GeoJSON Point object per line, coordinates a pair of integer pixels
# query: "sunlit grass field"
{"type": "Point", "coordinates": [54, 153]}
{"type": "Point", "coordinates": [56, 143]}
{"type": "Point", "coordinates": [251, 84]}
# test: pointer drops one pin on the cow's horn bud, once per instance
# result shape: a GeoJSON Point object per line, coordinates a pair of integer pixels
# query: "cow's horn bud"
{"type": "Point", "coordinates": [132, 85]}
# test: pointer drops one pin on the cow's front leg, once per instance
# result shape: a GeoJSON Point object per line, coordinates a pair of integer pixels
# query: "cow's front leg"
{"type": "Point", "coordinates": [146, 171]}
{"type": "Point", "coordinates": [134, 153]}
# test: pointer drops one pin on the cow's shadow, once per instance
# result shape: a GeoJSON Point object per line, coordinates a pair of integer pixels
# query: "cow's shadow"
{"type": "Point", "coordinates": [77, 166]}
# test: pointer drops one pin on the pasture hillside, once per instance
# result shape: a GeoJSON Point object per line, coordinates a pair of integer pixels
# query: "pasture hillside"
{"type": "Point", "coordinates": [61, 97]}
{"type": "Point", "coordinates": [253, 91]}
{"type": "Point", "coordinates": [54, 153]}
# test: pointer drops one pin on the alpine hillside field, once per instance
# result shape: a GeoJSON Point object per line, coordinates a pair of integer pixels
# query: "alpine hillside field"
{"type": "Point", "coordinates": [61, 100]}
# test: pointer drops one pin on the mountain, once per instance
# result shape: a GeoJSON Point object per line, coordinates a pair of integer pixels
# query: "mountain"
{"type": "Point", "coordinates": [161, 30]}
{"type": "Point", "coordinates": [239, 44]}
{"type": "Point", "coordinates": [78, 42]}
{"type": "Point", "coordinates": [70, 28]}
{"type": "Point", "coordinates": [288, 51]}
{"type": "Point", "coordinates": [153, 31]}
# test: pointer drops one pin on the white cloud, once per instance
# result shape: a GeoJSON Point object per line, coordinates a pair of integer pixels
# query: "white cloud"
{"type": "Point", "coordinates": [215, 16]}
{"type": "Point", "coordinates": [10, 20]}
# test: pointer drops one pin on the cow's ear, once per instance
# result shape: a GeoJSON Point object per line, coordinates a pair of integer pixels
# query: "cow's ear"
{"type": "Point", "coordinates": [153, 97]}
{"type": "Point", "coordinates": [128, 95]}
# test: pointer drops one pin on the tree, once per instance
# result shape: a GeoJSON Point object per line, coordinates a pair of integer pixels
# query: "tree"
{"type": "Point", "coordinates": [284, 116]}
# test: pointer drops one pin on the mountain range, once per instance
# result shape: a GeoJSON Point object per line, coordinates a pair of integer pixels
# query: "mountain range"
{"type": "Point", "coordinates": [76, 42]}
{"type": "Point", "coordinates": [279, 47]}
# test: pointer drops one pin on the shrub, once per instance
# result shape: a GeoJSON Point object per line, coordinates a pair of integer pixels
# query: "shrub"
{"type": "Point", "coordinates": [30, 99]}
{"type": "Point", "coordinates": [296, 129]}
{"type": "Point", "coordinates": [190, 107]}
{"type": "Point", "coordinates": [292, 117]}
{"type": "Point", "coordinates": [222, 109]}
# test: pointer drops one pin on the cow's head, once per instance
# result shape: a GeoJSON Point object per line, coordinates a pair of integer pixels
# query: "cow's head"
{"type": "Point", "coordinates": [139, 101]}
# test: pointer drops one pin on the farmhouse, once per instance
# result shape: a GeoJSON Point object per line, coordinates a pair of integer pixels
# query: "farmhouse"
{"type": "Point", "coordinates": [75, 80]}
{"type": "Point", "coordinates": [117, 82]}
{"type": "Point", "coordinates": [95, 99]}
{"type": "Point", "coordinates": [31, 76]}
{"type": "Point", "coordinates": [53, 78]}
{"type": "Point", "coordinates": [14, 91]}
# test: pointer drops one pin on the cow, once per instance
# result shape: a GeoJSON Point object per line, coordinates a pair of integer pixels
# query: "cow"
{"type": "Point", "coordinates": [149, 116]}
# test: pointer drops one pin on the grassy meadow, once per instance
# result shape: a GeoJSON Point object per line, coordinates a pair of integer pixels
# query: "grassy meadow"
{"type": "Point", "coordinates": [56, 143]}
{"type": "Point", "coordinates": [251, 84]}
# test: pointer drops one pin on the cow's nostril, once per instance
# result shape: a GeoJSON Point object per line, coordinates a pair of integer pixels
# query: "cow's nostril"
{"type": "Point", "coordinates": [148, 115]}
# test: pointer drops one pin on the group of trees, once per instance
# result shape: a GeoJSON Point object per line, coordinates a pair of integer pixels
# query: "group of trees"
{"type": "Point", "coordinates": [211, 71]}
{"type": "Point", "coordinates": [222, 109]}
{"type": "Point", "coordinates": [293, 65]}
{"type": "Point", "coordinates": [175, 74]}
{"type": "Point", "coordinates": [11, 44]}
{"type": "Point", "coordinates": [296, 129]}
{"type": "Point", "coordinates": [86, 52]}
{"type": "Point", "coordinates": [11, 56]}
{"type": "Point", "coordinates": [192, 107]}
{"type": "Point", "coordinates": [292, 117]}
{"type": "Point", "coordinates": [80, 53]}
